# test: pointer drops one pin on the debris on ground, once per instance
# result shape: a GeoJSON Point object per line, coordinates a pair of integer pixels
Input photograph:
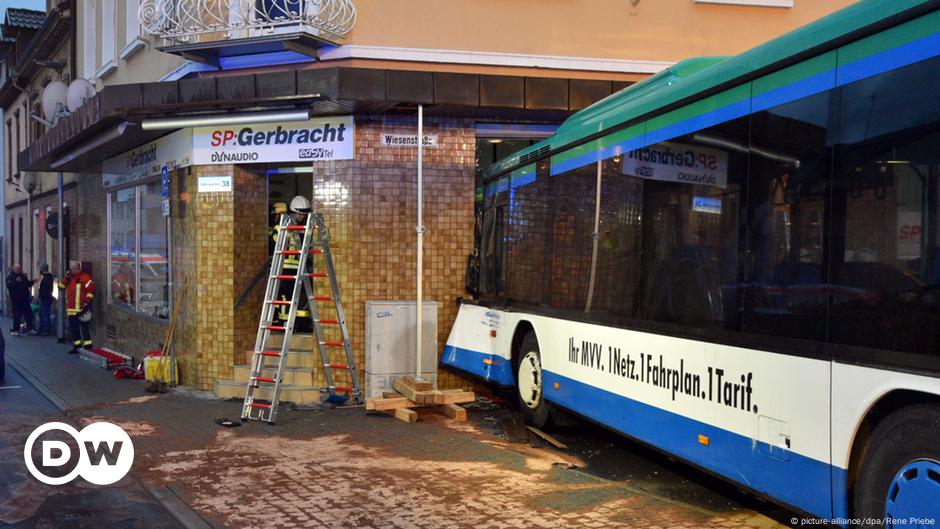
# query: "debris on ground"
{"type": "Point", "coordinates": [410, 393]}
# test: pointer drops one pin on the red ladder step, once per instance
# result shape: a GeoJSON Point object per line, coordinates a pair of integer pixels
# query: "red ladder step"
{"type": "Point", "coordinates": [265, 379]}
{"type": "Point", "coordinates": [275, 328]}
{"type": "Point", "coordinates": [297, 252]}
{"type": "Point", "coordinates": [329, 322]}
{"type": "Point", "coordinates": [337, 366]}
{"type": "Point", "coordinates": [342, 388]}
{"type": "Point", "coordinates": [279, 302]}
{"type": "Point", "coordinates": [270, 353]}
{"type": "Point", "coordinates": [332, 344]}
{"type": "Point", "coordinates": [260, 406]}
{"type": "Point", "coordinates": [322, 298]}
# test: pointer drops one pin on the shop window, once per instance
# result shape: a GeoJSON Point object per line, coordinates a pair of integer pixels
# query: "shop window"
{"type": "Point", "coordinates": [139, 242]}
{"type": "Point", "coordinates": [884, 248]}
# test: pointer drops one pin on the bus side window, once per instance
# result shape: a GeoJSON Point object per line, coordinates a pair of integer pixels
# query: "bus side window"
{"type": "Point", "coordinates": [784, 289]}
{"type": "Point", "coordinates": [885, 252]}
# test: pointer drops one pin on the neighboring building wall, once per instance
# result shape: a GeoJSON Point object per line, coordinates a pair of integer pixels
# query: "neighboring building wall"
{"type": "Point", "coordinates": [121, 54]}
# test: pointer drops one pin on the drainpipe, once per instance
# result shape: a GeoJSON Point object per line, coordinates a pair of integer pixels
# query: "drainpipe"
{"type": "Point", "coordinates": [421, 229]}
{"type": "Point", "coordinates": [60, 317]}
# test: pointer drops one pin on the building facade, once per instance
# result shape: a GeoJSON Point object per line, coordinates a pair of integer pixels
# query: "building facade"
{"type": "Point", "coordinates": [178, 212]}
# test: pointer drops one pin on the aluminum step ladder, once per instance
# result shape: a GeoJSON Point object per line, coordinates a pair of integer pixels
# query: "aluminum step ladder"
{"type": "Point", "coordinates": [314, 242]}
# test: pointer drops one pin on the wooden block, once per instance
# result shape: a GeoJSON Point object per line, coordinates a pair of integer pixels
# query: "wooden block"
{"type": "Point", "coordinates": [388, 404]}
{"type": "Point", "coordinates": [418, 397]}
{"type": "Point", "coordinates": [416, 385]}
{"type": "Point", "coordinates": [545, 436]}
{"type": "Point", "coordinates": [391, 395]}
{"type": "Point", "coordinates": [454, 397]}
{"type": "Point", "coordinates": [404, 414]}
{"type": "Point", "coordinates": [453, 411]}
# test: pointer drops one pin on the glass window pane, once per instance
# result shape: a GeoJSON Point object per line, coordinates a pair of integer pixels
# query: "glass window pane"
{"type": "Point", "coordinates": [123, 246]}
{"type": "Point", "coordinates": [527, 233]}
{"type": "Point", "coordinates": [569, 237]}
{"type": "Point", "coordinates": [885, 249]}
{"type": "Point", "coordinates": [691, 205]}
{"type": "Point", "coordinates": [784, 289]}
{"type": "Point", "coordinates": [154, 262]}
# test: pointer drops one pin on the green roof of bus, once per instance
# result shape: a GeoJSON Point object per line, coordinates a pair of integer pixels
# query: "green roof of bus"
{"type": "Point", "coordinates": [691, 76]}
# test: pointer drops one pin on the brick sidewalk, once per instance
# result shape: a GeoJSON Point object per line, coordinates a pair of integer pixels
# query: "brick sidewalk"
{"type": "Point", "coordinates": [345, 469]}
{"type": "Point", "coordinates": [66, 380]}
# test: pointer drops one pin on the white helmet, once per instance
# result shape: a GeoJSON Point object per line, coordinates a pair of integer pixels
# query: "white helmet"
{"type": "Point", "coordinates": [300, 204]}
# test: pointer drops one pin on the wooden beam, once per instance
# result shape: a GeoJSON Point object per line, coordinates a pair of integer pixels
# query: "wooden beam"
{"type": "Point", "coordinates": [403, 414]}
{"type": "Point", "coordinates": [549, 438]}
{"type": "Point", "coordinates": [453, 411]}
{"type": "Point", "coordinates": [388, 404]}
{"type": "Point", "coordinates": [404, 389]}
{"type": "Point", "coordinates": [454, 397]}
{"type": "Point", "coordinates": [416, 385]}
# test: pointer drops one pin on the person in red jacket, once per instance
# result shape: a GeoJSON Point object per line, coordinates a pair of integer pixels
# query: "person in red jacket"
{"type": "Point", "coordinates": [79, 291]}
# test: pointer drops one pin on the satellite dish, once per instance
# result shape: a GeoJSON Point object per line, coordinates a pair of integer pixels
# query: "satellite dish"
{"type": "Point", "coordinates": [54, 100]}
{"type": "Point", "coordinates": [79, 91]}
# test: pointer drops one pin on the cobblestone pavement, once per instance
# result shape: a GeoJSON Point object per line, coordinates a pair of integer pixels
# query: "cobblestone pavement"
{"type": "Point", "coordinates": [344, 468]}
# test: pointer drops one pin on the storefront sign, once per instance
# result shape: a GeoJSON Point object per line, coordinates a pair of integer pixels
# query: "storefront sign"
{"type": "Point", "coordinates": [709, 205]}
{"type": "Point", "coordinates": [325, 138]}
{"type": "Point", "coordinates": [910, 230]}
{"type": "Point", "coordinates": [173, 150]}
{"type": "Point", "coordinates": [403, 140]}
{"type": "Point", "coordinates": [674, 162]}
{"type": "Point", "coordinates": [215, 184]}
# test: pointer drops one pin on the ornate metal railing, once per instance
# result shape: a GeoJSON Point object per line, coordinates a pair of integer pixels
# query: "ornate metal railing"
{"type": "Point", "coordinates": [183, 21]}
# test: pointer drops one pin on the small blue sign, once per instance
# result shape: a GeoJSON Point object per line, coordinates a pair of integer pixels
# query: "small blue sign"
{"type": "Point", "coordinates": [165, 181]}
{"type": "Point", "coordinates": [708, 205]}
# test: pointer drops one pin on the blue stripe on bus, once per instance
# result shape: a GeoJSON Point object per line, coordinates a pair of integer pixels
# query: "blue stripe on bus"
{"type": "Point", "coordinates": [700, 122]}
{"type": "Point", "coordinates": [519, 181]}
{"type": "Point", "coordinates": [473, 362]}
{"type": "Point", "coordinates": [814, 84]}
{"type": "Point", "coordinates": [802, 482]}
{"type": "Point", "coordinates": [904, 55]}
{"type": "Point", "coordinates": [601, 154]}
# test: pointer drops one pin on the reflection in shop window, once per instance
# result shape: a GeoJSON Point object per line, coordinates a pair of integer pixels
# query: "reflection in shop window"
{"type": "Point", "coordinates": [123, 222]}
{"type": "Point", "coordinates": [139, 268]}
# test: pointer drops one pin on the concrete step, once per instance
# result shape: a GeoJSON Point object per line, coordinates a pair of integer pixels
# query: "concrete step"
{"type": "Point", "coordinates": [305, 359]}
{"type": "Point", "coordinates": [227, 389]}
{"type": "Point", "coordinates": [293, 376]}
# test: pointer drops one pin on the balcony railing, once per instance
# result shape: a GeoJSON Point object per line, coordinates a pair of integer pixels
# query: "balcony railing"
{"type": "Point", "coordinates": [181, 22]}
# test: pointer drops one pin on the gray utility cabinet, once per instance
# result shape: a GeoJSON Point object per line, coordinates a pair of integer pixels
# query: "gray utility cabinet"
{"type": "Point", "coordinates": [390, 343]}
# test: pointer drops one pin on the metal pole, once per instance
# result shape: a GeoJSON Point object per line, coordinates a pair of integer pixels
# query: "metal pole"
{"type": "Point", "coordinates": [60, 318]}
{"type": "Point", "coordinates": [595, 235]}
{"type": "Point", "coordinates": [419, 331]}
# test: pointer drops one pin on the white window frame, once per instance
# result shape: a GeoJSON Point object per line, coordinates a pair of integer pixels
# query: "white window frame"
{"type": "Point", "coordinates": [132, 41]}
{"type": "Point", "coordinates": [107, 60]}
{"type": "Point", "coordinates": [89, 40]}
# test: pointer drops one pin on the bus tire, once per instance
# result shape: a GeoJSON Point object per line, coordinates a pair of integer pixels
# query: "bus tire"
{"type": "Point", "coordinates": [529, 384]}
{"type": "Point", "coordinates": [900, 476]}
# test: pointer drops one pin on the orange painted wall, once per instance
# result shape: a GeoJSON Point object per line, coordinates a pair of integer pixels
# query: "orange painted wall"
{"type": "Point", "coordinates": [663, 30]}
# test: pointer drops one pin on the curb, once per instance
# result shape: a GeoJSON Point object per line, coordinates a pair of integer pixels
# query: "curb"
{"type": "Point", "coordinates": [46, 391]}
{"type": "Point", "coordinates": [177, 508]}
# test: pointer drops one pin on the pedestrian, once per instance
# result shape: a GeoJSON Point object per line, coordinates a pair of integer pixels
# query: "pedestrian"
{"type": "Point", "coordinates": [46, 284]}
{"type": "Point", "coordinates": [79, 291]}
{"type": "Point", "coordinates": [19, 286]}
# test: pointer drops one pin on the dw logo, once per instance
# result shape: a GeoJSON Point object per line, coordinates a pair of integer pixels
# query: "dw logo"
{"type": "Point", "coordinates": [103, 453]}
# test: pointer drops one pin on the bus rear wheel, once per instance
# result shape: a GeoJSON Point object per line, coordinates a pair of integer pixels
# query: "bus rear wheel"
{"type": "Point", "coordinates": [530, 384]}
{"type": "Point", "coordinates": [900, 477]}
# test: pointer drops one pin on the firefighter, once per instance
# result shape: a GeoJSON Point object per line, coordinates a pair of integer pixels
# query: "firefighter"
{"type": "Point", "coordinates": [299, 209]}
{"type": "Point", "coordinates": [79, 292]}
{"type": "Point", "coordinates": [122, 285]}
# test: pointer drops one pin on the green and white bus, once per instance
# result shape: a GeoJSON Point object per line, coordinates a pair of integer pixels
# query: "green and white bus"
{"type": "Point", "coordinates": [737, 262]}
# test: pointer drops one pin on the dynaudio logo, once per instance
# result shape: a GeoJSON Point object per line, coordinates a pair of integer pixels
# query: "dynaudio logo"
{"type": "Point", "coordinates": [101, 453]}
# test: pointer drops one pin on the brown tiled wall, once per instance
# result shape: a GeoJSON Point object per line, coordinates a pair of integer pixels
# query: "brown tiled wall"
{"type": "Point", "coordinates": [370, 206]}
{"type": "Point", "coordinates": [220, 240]}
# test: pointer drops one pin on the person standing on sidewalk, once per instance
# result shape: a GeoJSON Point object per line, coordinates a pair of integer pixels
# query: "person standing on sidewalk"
{"type": "Point", "coordinates": [79, 291]}
{"type": "Point", "coordinates": [46, 284]}
{"type": "Point", "coordinates": [19, 285]}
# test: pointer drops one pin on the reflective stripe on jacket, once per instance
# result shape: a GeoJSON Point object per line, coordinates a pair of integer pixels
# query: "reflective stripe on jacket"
{"type": "Point", "coordinates": [79, 291]}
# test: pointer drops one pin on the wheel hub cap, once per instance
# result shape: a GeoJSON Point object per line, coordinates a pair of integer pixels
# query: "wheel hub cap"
{"type": "Point", "coordinates": [914, 496]}
{"type": "Point", "coordinates": [530, 380]}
